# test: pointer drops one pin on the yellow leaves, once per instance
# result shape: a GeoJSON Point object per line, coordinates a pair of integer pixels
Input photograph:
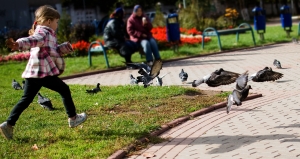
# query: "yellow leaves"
{"type": "Point", "coordinates": [231, 13]}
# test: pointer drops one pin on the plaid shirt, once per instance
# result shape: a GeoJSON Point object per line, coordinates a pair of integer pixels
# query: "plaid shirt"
{"type": "Point", "coordinates": [45, 54]}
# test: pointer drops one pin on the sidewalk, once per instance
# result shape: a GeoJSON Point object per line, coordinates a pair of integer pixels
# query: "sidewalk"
{"type": "Point", "coordinates": [267, 127]}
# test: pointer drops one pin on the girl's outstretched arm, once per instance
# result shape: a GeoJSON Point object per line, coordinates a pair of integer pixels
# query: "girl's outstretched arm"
{"type": "Point", "coordinates": [36, 40]}
{"type": "Point", "coordinates": [64, 48]}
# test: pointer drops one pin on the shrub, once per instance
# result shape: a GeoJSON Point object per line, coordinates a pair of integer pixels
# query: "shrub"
{"type": "Point", "coordinates": [64, 28]}
{"type": "Point", "coordinates": [221, 22]}
{"type": "Point", "coordinates": [82, 31]}
{"type": "Point", "coordinates": [159, 20]}
{"type": "Point", "coordinates": [209, 22]}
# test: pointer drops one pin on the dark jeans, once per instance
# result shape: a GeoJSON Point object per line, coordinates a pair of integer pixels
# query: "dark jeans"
{"type": "Point", "coordinates": [127, 49]}
{"type": "Point", "coordinates": [32, 87]}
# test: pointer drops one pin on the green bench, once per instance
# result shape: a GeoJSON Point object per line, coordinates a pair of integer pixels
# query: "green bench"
{"type": "Point", "coordinates": [101, 48]}
{"type": "Point", "coordinates": [240, 29]}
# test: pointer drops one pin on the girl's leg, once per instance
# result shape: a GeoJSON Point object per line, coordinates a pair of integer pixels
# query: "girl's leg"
{"type": "Point", "coordinates": [31, 88]}
{"type": "Point", "coordinates": [56, 84]}
{"type": "Point", "coordinates": [147, 49]}
{"type": "Point", "coordinates": [154, 48]}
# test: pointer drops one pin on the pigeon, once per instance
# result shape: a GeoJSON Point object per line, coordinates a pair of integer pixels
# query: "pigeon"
{"type": "Point", "coordinates": [133, 81]}
{"type": "Point", "coordinates": [159, 81]}
{"type": "Point", "coordinates": [277, 64]}
{"type": "Point", "coordinates": [45, 102]}
{"type": "Point", "coordinates": [147, 77]}
{"type": "Point", "coordinates": [23, 84]}
{"type": "Point", "coordinates": [16, 85]}
{"type": "Point", "coordinates": [267, 74]}
{"type": "Point", "coordinates": [183, 76]}
{"type": "Point", "coordinates": [295, 41]}
{"type": "Point", "coordinates": [217, 78]}
{"type": "Point", "coordinates": [143, 66]}
{"type": "Point", "coordinates": [233, 98]}
{"type": "Point", "coordinates": [94, 90]}
{"type": "Point", "coordinates": [241, 81]}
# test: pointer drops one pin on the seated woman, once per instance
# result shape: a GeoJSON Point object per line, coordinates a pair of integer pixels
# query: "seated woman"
{"type": "Point", "coordinates": [139, 29]}
{"type": "Point", "coordinates": [114, 36]}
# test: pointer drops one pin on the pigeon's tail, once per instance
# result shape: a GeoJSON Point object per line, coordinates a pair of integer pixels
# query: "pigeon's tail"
{"type": "Point", "coordinates": [196, 83]}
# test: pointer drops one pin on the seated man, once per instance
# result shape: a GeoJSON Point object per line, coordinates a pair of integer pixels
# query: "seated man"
{"type": "Point", "coordinates": [114, 36]}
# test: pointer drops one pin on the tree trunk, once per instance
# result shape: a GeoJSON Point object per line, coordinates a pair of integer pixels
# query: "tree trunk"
{"type": "Point", "coordinates": [272, 8]}
{"type": "Point", "coordinates": [277, 7]}
{"type": "Point", "coordinates": [296, 4]}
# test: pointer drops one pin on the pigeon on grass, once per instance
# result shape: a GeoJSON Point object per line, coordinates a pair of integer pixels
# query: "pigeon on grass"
{"type": "Point", "coordinates": [45, 102]}
{"type": "Point", "coordinates": [94, 90]}
{"type": "Point", "coordinates": [16, 85]}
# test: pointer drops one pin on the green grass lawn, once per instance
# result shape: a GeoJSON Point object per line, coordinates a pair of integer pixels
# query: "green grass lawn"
{"type": "Point", "coordinates": [116, 117]}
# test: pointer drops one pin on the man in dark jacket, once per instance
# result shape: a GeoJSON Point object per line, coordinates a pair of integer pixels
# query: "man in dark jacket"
{"type": "Point", "coordinates": [114, 36]}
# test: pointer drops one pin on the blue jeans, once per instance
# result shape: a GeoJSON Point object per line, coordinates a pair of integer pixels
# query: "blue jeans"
{"type": "Point", "coordinates": [150, 47]}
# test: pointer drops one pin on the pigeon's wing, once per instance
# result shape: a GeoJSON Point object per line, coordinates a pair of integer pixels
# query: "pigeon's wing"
{"type": "Point", "coordinates": [229, 103]}
{"type": "Point", "coordinates": [155, 69]}
{"type": "Point", "coordinates": [225, 78]}
{"type": "Point", "coordinates": [269, 75]}
{"type": "Point", "coordinates": [142, 72]}
{"type": "Point", "coordinates": [241, 81]}
{"type": "Point", "coordinates": [236, 95]}
{"type": "Point", "coordinates": [139, 65]}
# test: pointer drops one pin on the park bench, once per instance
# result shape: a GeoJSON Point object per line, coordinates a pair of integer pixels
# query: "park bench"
{"type": "Point", "coordinates": [98, 49]}
{"type": "Point", "coordinates": [240, 29]}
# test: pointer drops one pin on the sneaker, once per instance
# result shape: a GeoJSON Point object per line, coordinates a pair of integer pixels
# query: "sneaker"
{"type": "Point", "coordinates": [80, 118]}
{"type": "Point", "coordinates": [6, 131]}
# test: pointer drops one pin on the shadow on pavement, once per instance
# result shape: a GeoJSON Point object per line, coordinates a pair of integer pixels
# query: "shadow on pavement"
{"type": "Point", "coordinates": [193, 62]}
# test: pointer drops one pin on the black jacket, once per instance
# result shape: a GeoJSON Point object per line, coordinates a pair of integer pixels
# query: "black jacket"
{"type": "Point", "coordinates": [114, 33]}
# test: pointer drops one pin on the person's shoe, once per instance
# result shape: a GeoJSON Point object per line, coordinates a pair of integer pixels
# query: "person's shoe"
{"type": "Point", "coordinates": [6, 131]}
{"type": "Point", "coordinates": [80, 118]}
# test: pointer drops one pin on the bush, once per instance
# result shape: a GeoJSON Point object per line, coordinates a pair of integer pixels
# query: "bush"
{"type": "Point", "coordinates": [82, 32]}
{"type": "Point", "coordinates": [15, 34]}
{"type": "Point", "coordinates": [64, 28]}
{"type": "Point", "coordinates": [221, 22]}
{"type": "Point", "coordinates": [159, 20]}
{"type": "Point", "coordinates": [209, 22]}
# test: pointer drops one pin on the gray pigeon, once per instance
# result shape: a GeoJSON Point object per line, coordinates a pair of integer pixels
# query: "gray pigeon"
{"type": "Point", "coordinates": [183, 76]}
{"type": "Point", "coordinates": [16, 85]}
{"type": "Point", "coordinates": [159, 81]}
{"type": "Point", "coordinates": [143, 66]}
{"type": "Point", "coordinates": [94, 90]}
{"type": "Point", "coordinates": [45, 102]}
{"type": "Point", "coordinates": [295, 41]}
{"type": "Point", "coordinates": [217, 78]}
{"type": "Point", "coordinates": [267, 74]}
{"type": "Point", "coordinates": [146, 77]}
{"type": "Point", "coordinates": [233, 98]}
{"type": "Point", "coordinates": [241, 81]}
{"type": "Point", "coordinates": [133, 81]}
{"type": "Point", "coordinates": [277, 64]}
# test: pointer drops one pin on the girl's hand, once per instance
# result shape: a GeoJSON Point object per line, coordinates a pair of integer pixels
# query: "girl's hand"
{"type": "Point", "coordinates": [10, 43]}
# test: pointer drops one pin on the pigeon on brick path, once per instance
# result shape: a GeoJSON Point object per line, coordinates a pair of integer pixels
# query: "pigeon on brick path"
{"type": "Point", "coordinates": [16, 85]}
{"type": "Point", "coordinates": [133, 81]}
{"type": "Point", "coordinates": [267, 74]}
{"type": "Point", "coordinates": [95, 90]}
{"type": "Point", "coordinates": [146, 77]}
{"type": "Point", "coordinates": [45, 102]}
{"type": "Point", "coordinates": [183, 76]}
{"type": "Point", "coordinates": [217, 78]}
{"type": "Point", "coordinates": [236, 97]}
{"type": "Point", "coordinates": [277, 64]}
{"type": "Point", "coordinates": [242, 80]}
{"type": "Point", "coordinates": [159, 81]}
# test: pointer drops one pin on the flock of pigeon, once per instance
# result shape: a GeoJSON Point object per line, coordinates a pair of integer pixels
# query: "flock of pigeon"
{"type": "Point", "coordinates": [43, 101]}
{"type": "Point", "coordinates": [215, 79]}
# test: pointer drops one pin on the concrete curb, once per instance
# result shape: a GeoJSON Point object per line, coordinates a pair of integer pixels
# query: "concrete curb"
{"type": "Point", "coordinates": [122, 153]}
{"type": "Point", "coordinates": [165, 61]}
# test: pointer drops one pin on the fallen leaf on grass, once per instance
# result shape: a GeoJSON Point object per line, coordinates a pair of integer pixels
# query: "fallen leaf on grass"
{"type": "Point", "coordinates": [148, 155]}
{"type": "Point", "coordinates": [34, 147]}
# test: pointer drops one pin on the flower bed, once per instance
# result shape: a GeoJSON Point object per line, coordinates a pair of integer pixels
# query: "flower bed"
{"type": "Point", "coordinates": [159, 33]}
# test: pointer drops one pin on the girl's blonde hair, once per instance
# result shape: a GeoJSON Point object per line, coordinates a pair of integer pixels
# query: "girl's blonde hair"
{"type": "Point", "coordinates": [43, 14]}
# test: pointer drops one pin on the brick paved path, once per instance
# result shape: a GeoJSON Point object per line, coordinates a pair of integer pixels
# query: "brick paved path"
{"type": "Point", "coordinates": [266, 127]}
